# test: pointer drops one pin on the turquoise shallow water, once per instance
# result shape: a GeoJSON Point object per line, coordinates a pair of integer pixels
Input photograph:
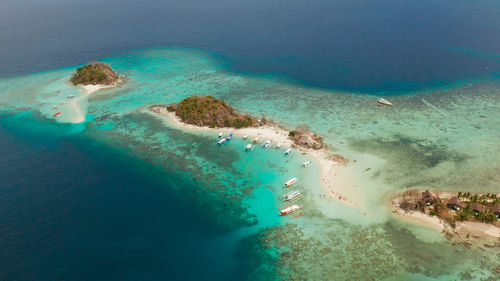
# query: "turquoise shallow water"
{"type": "Point", "coordinates": [442, 138]}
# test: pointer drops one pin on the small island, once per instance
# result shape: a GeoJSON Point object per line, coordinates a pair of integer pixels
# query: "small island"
{"type": "Point", "coordinates": [457, 213]}
{"type": "Point", "coordinates": [95, 73]}
{"type": "Point", "coordinates": [211, 112]}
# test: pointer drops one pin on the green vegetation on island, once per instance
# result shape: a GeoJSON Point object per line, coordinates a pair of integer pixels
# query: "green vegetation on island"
{"type": "Point", "coordinates": [453, 207]}
{"type": "Point", "coordinates": [95, 73]}
{"type": "Point", "coordinates": [211, 112]}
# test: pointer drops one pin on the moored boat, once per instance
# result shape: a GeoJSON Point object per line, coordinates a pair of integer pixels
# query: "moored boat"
{"type": "Point", "coordinates": [291, 195]}
{"type": "Point", "coordinates": [245, 137]}
{"type": "Point", "coordinates": [384, 101]}
{"type": "Point", "coordinates": [56, 114]}
{"type": "Point", "coordinates": [289, 209]}
{"type": "Point", "coordinates": [248, 147]}
{"type": "Point", "coordinates": [255, 140]}
{"type": "Point", "coordinates": [288, 151]}
{"type": "Point", "coordinates": [221, 134]}
{"type": "Point", "coordinates": [266, 143]}
{"type": "Point", "coordinates": [222, 141]}
{"type": "Point", "coordinates": [55, 106]}
{"type": "Point", "coordinates": [307, 163]}
{"type": "Point", "coordinates": [70, 96]}
{"type": "Point", "coordinates": [290, 182]}
{"type": "Point", "coordinates": [278, 145]}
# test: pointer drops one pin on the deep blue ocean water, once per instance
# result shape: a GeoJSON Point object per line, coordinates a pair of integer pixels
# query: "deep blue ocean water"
{"type": "Point", "coordinates": [356, 45]}
{"type": "Point", "coordinates": [74, 209]}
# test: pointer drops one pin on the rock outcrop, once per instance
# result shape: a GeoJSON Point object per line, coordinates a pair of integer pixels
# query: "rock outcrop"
{"type": "Point", "coordinates": [303, 137]}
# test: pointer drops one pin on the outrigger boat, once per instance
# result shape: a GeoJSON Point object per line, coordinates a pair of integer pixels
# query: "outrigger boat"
{"type": "Point", "coordinates": [221, 134]}
{"type": "Point", "coordinates": [245, 137]}
{"type": "Point", "coordinates": [291, 195]}
{"type": "Point", "coordinates": [222, 141]}
{"type": "Point", "coordinates": [248, 147]}
{"type": "Point", "coordinates": [230, 137]}
{"type": "Point", "coordinates": [55, 115]}
{"type": "Point", "coordinates": [55, 106]}
{"type": "Point", "coordinates": [70, 96]}
{"type": "Point", "coordinates": [384, 101]}
{"type": "Point", "coordinates": [266, 143]}
{"type": "Point", "coordinates": [255, 140]}
{"type": "Point", "coordinates": [288, 151]}
{"type": "Point", "coordinates": [290, 182]}
{"type": "Point", "coordinates": [286, 210]}
{"type": "Point", "coordinates": [307, 163]}
{"type": "Point", "coordinates": [278, 145]}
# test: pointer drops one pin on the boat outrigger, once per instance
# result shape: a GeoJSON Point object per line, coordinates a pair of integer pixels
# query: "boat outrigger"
{"type": "Point", "coordinates": [288, 151]}
{"type": "Point", "coordinates": [291, 209]}
{"type": "Point", "coordinates": [307, 163]}
{"type": "Point", "coordinates": [384, 101]}
{"type": "Point", "coordinates": [248, 147]}
{"type": "Point", "coordinates": [290, 182]}
{"type": "Point", "coordinates": [266, 143]}
{"type": "Point", "coordinates": [222, 141]}
{"type": "Point", "coordinates": [292, 195]}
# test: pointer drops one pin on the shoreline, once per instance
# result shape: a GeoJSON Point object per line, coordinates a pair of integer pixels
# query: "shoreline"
{"type": "Point", "coordinates": [278, 134]}
{"type": "Point", "coordinates": [464, 231]}
{"type": "Point", "coordinates": [72, 111]}
{"type": "Point", "coordinates": [89, 90]}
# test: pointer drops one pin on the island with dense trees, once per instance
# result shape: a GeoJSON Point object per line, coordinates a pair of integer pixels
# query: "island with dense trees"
{"type": "Point", "coordinates": [95, 73]}
{"type": "Point", "coordinates": [209, 111]}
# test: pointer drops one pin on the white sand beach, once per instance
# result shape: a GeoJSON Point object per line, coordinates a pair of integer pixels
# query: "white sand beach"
{"type": "Point", "coordinates": [335, 183]}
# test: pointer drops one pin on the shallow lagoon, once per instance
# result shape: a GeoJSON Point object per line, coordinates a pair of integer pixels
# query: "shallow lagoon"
{"type": "Point", "coordinates": [441, 138]}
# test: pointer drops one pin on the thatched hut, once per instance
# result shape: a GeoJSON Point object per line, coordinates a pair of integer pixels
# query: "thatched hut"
{"type": "Point", "coordinates": [477, 208]}
{"type": "Point", "coordinates": [428, 198]}
{"type": "Point", "coordinates": [496, 210]}
{"type": "Point", "coordinates": [455, 204]}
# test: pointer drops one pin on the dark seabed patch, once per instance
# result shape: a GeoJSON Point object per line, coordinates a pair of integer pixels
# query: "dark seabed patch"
{"type": "Point", "coordinates": [410, 159]}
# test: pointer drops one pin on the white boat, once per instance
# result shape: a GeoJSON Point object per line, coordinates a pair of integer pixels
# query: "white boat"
{"type": "Point", "coordinates": [248, 147]}
{"type": "Point", "coordinates": [266, 143]}
{"type": "Point", "coordinates": [291, 195]}
{"type": "Point", "coordinates": [307, 163]}
{"type": "Point", "coordinates": [221, 134]}
{"type": "Point", "coordinates": [70, 96]}
{"type": "Point", "coordinates": [230, 137]}
{"type": "Point", "coordinates": [278, 145]}
{"type": "Point", "coordinates": [222, 141]}
{"type": "Point", "coordinates": [289, 209]}
{"type": "Point", "coordinates": [384, 101]}
{"type": "Point", "coordinates": [290, 182]}
{"type": "Point", "coordinates": [288, 151]}
{"type": "Point", "coordinates": [55, 106]}
{"type": "Point", "coordinates": [245, 137]}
